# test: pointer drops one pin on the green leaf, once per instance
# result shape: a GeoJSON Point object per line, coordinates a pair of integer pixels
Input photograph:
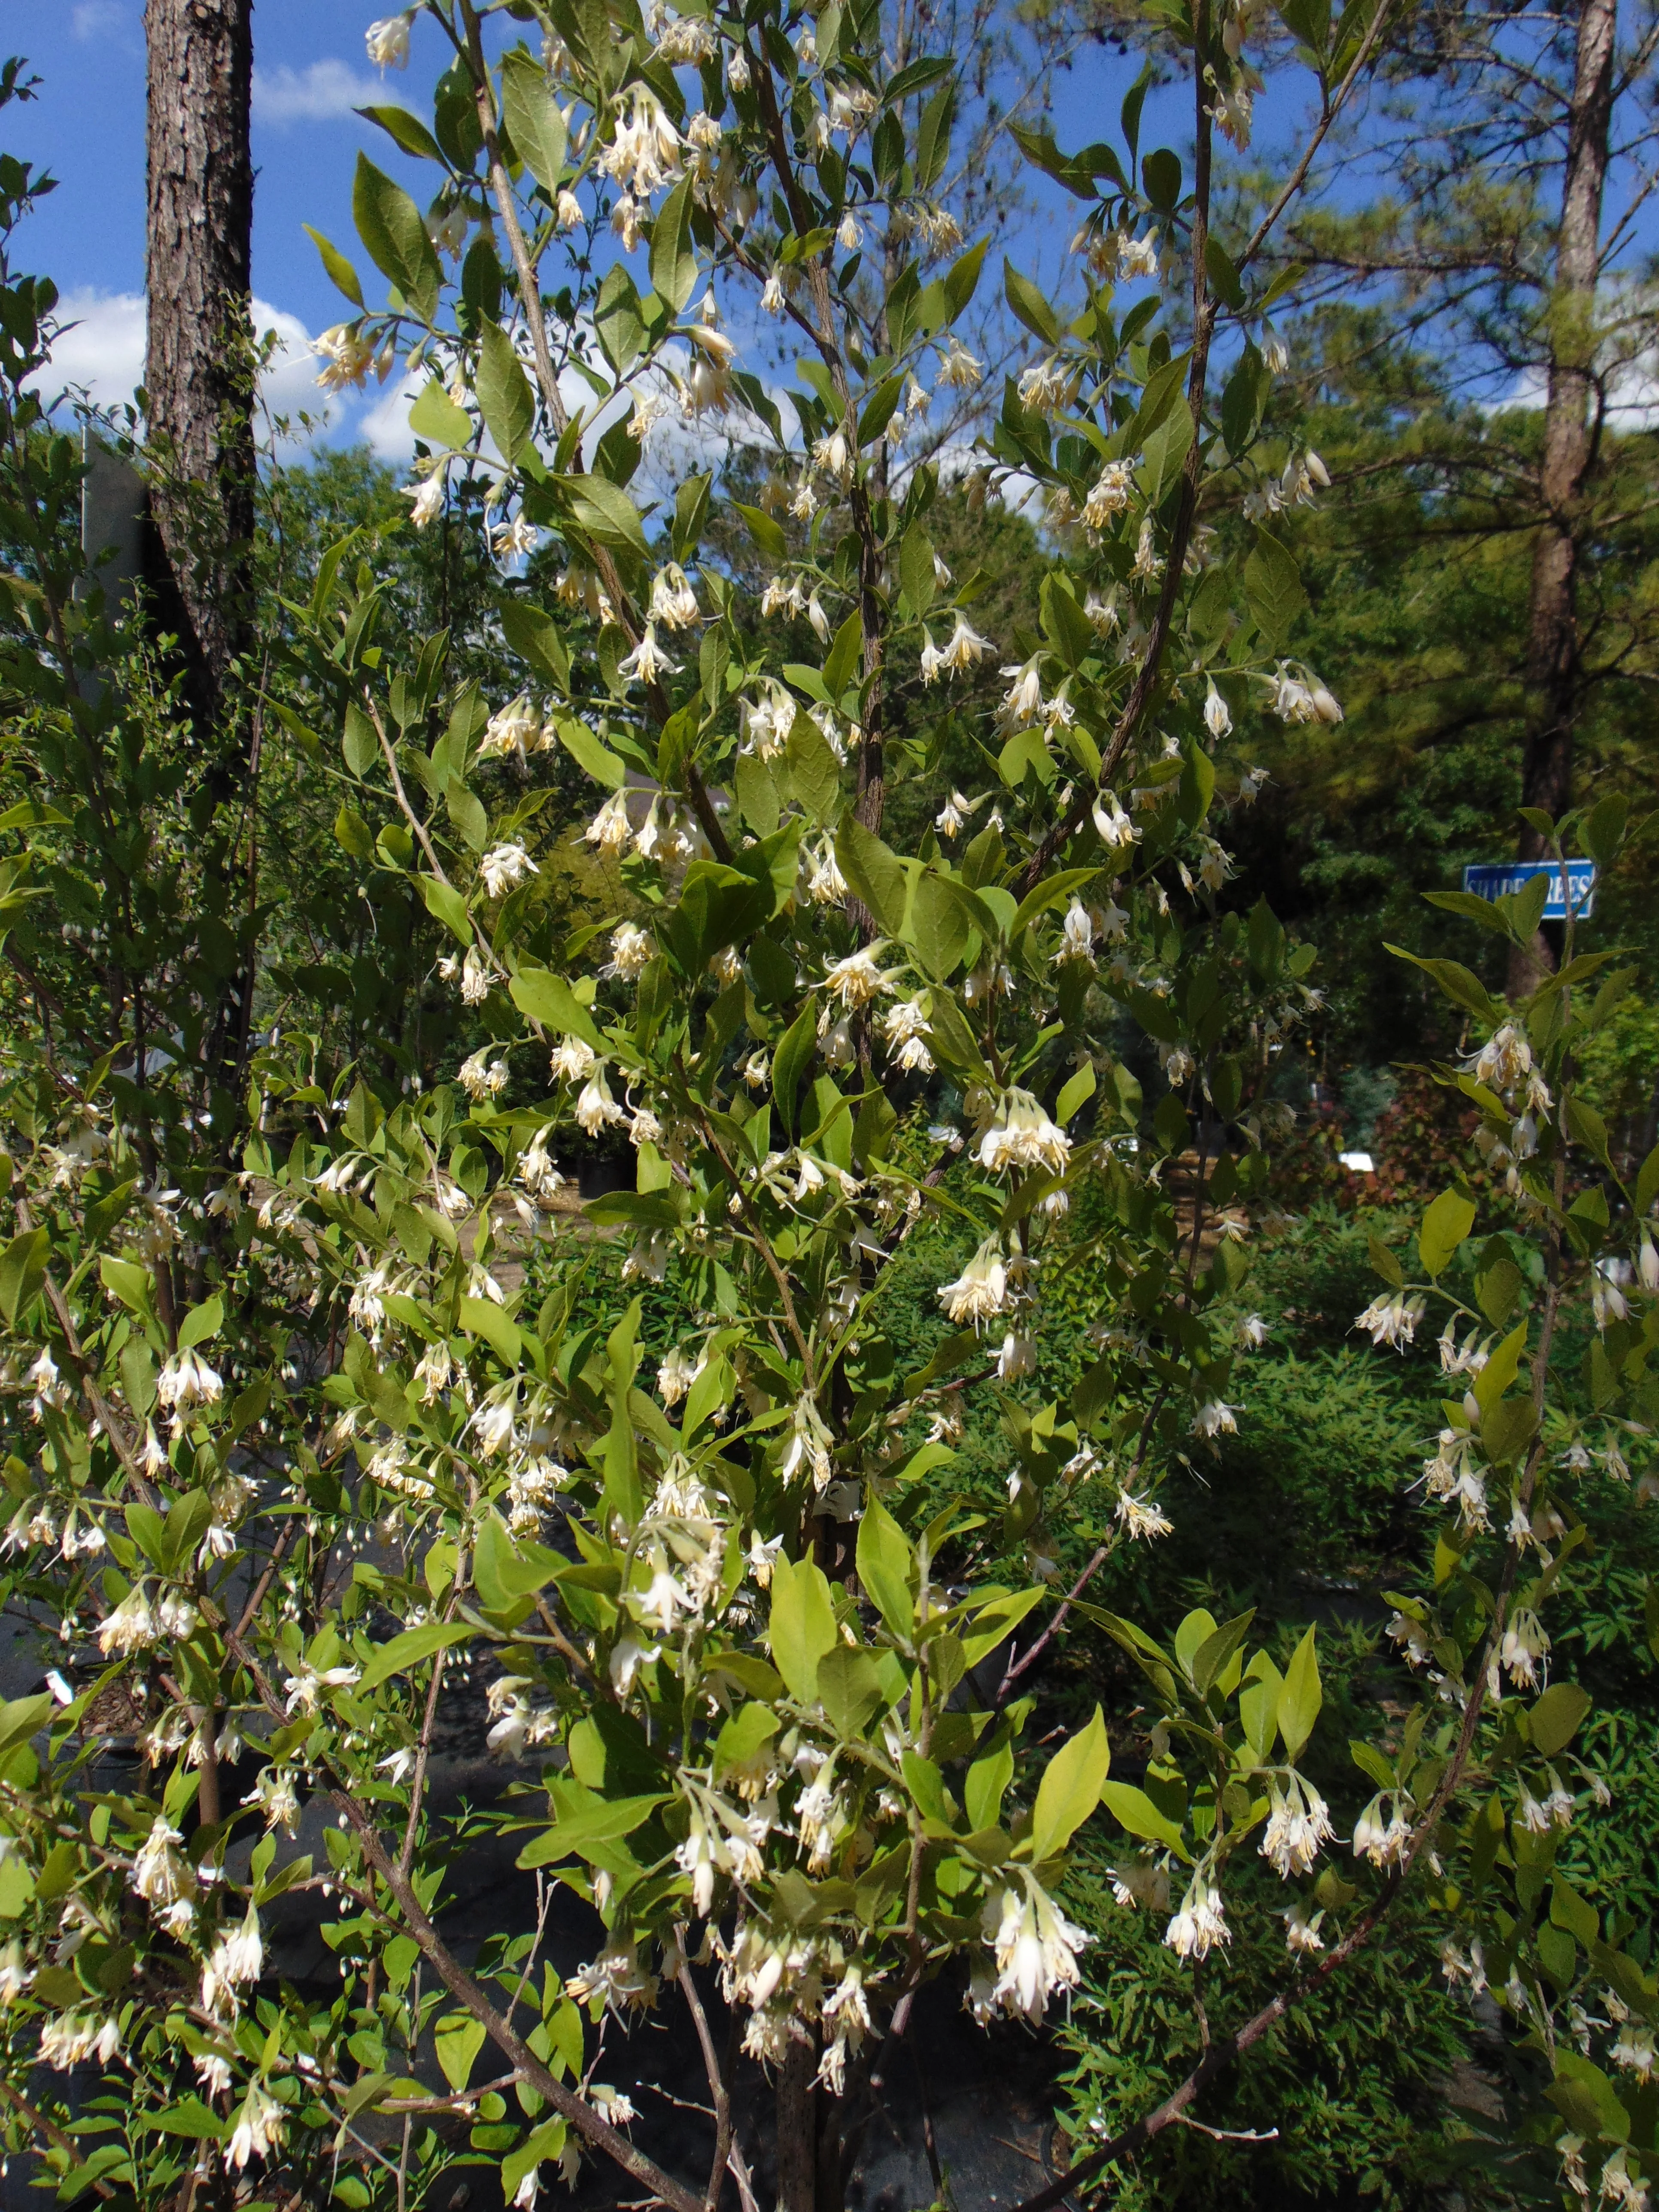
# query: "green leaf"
{"type": "Point", "coordinates": [872, 871]}
{"type": "Point", "coordinates": [1075, 1092]}
{"type": "Point", "coordinates": [917, 573]}
{"type": "Point", "coordinates": [1372, 1763]}
{"type": "Point", "coordinates": [1603, 831]}
{"type": "Point", "coordinates": [1461, 987]}
{"type": "Point", "coordinates": [1029, 304]}
{"type": "Point", "coordinates": [1161, 458]}
{"type": "Point", "coordinates": [534, 637]}
{"type": "Point", "coordinates": [201, 1324]}
{"type": "Point", "coordinates": [444, 904]}
{"type": "Point", "coordinates": [533, 118]}
{"type": "Point", "coordinates": [842, 661]}
{"type": "Point", "coordinates": [483, 1317]}
{"type": "Point", "coordinates": [22, 1718]}
{"type": "Point", "coordinates": [983, 1786]}
{"type": "Point", "coordinates": [1070, 1789]}
{"type": "Point", "coordinates": [1210, 1662]}
{"type": "Point", "coordinates": [458, 2038]}
{"type": "Point", "coordinates": [961, 280]}
{"type": "Point", "coordinates": [189, 2116]}
{"type": "Point", "coordinates": [673, 257]}
{"type": "Point", "coordinates": [541, 2148]}
{"type": "Point", "coordinates": [392, 230]}
{"type": "Point", "coordinates": [814, 771]}
{"type": "Point", "coordinates": [618, 318]}
{"type": "Point", "coordinates": [1446, 1224]}
{"type": "Point", "coordinates": [407, 133]}
{"type": "Point", "coordinates": [790, 1061]}
{"type": "Point", "coordinates": [885, 1564]}
{"type": "Point", "coordinates": [603, 511]}
{"type": "Point", "coordinates": [410, 1648]}
{"type": "Point", "coordinates": [1273, 586]}
{"type": "Point", "coordinates": [437, 420]}
{"type": "Point", "coordinates": [1383, 1263]}
{"type": "Point", "coordinates": [926, 1785]}
{"type": "Point", "coordinates": [549, 1000]}
{"type": "Point", "coordinates": [803, 1626]}
{"type": "Point", "coordinates": [1586, 1127]}
{"type": "Point", "coordinates": [1300, 1699]}
{"type": "Point", "coordinates": [767, 534]}
{"type": "Point", "coordinates": [505, 398]}
{"type": "Point", "coordinates": [1243, 399]}
{"type": "Point", "coordinates": [1134, 1810]}
{"type": "Point", "coordinates": [341, 272]}
{"type": "Point", "coordinates": [849, 1689]}
{"type": "Point", "coordinates": [506, 1568]}
{"type": "Point", "coordinates": [744, 1735]}
{"type": "Point", "coordinates": [359, 743]}
{"type": "Point", "coordinates": [590, 753]}
{"type": "Point", "coordinates": [1556, 1717]}
{"type": "Point", "coordinates": [933, 137]}
{"type": "Point", "coordinates": [22, 1271]}
{"type": "Point", "coordinates": [938, 926]}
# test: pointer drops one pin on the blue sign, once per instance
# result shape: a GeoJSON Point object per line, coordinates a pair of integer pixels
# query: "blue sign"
{"type": "Point", "coordinates": [1506, 876]}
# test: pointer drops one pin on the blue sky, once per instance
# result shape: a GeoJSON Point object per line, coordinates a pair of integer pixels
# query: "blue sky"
{"type": "Point", "coordinates": [87, 126]}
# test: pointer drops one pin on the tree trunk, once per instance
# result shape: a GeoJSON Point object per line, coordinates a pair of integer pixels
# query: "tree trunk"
{"type": "Point", "coordinates": [1554, 671]}
{"type": "Point", "coordinates": [797, 2117]}
{"type": "Point", "coordinates": [199, 363]}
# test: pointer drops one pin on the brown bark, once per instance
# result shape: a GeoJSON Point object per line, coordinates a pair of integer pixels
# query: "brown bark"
{"type": "Point", "coordinates": [1553, 667]}
{"type": "Point", "coordinates": [797, 2119]}
{"type": "Point", "coordinates": [198, 367]}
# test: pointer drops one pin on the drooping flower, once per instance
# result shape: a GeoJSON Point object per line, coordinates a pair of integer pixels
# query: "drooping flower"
{"type": "Point", "coordinates": [980, 1290]}
{"type": "Point", "coordinates": [673, 602]}
{"type": "Point", "coordinates": [1141, 1516]}
{"type": "Point", "coordinates": [1200, 1922]}
{"type": "Point", "coordinates": [1392, 1318]}
{"type": "Point", "coordinates": [1109, 494]}
{"type": "Point", "coordinates": [237, 1958]}
{"type": "Point", "coordinates": [1298, 1822]}
{"type": "Point", "coordinates": [503, 866]}
{"type": "Point", "coordinates": [1380, 1836]}
{"type": "Point", "coordinates": [596, 1110]}
{"type": "Point", "coordinates": [388, 41]}
{"type": "Point", "coordinates": [261, 2124]}
{"type": "Point", "coordinates": [1022, 1135]}
{"type": "Point", "coordinates": [959, 369]}
{"type": "Point", "coordinates": [858, 978]}
{"type": "Point", "coordinates": [610, 829]}
{"type": "Point", "coordinates": [1114, 826]}
{"type": "Point", "coordinates": [161, 1874]}
{"type": "Point", "coordinates": [185, 1382]}
{"type": "Point", "coordinates": [1037, 1948]}
{"type": "Point", "coordinates": [1215, 1419]}
{"type": "Point", "coordinates": [131, 1628]}
{"type": "Point", "coordinates": [428, 498]}
{"type": "Point", "coordinates": [647, 662]}
{"type": "Point", "coordinates": [573, 1060]}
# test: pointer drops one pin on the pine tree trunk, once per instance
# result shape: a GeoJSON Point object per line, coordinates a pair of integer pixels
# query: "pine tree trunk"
{"type": "Point", "coordinates": [797, 2119]}
{"type": "Point", "coordinates": [198, 368]}
{"type": "Point", "coordinates": [1553, 668]}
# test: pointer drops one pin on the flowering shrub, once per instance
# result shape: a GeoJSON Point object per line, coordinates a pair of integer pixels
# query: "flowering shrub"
{"type": "Point", "coordinates": [290, 1444]}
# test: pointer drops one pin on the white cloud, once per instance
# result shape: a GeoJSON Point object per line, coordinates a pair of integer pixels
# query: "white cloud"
{"type": "Point", "coordinates": [1632, 394]}
{"type": "Point", "coordinates": [98, 18]}
{"type": "Point", "coordinates": [385, 426]}
{"type": "Point", "coordinates": [322, 92]}
{"type": "Point", "coordinates": [102, 353]}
